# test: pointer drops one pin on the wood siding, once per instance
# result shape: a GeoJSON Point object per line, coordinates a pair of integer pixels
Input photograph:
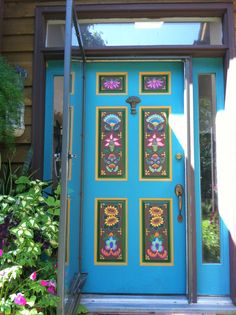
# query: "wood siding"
{"type": "Point", "coordinates": [18, 45]}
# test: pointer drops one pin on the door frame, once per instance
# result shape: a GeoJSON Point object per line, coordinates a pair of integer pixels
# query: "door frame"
{"type": "Point", "coordinates": [42, 54]}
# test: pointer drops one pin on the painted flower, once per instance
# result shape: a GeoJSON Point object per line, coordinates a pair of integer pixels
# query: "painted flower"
{"type": "Point", "coordinates": [111, 220]}
{"type": "Point", "coordinates": [157, 245]}
{"type": "Point", "coordinates": [111, 142]}
{"type": "Point", "coordinates": [155, 211]}
{"type": "Point", "coordinates": [1, 252]}
{"type": "Point", "coordinates": [111, 211]}
{"type": "Point", "coordinates": [154, 83]}
{"type": "Point", "coordinates": [155, 142]}
{"type": "Point", "coordinates": [112, 122]}
{"type": "Point", "coordinates": [111, 243]}
{"type": "Point", "coordinates": [44, 283]}
{"type": "Point", "coordinates": [112, 84]}
{"type": "Point", "coordinates": [156, 221]}
{"type": "Point", "coordinates": [33, 276]}
{"type": "Point", "coordinates": [20, 299]}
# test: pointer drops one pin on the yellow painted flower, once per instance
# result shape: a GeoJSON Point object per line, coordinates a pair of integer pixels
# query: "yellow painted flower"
{"type": "Point", "coordinates": [156, 221]}
{"type": "Point", "coordinates": [111, 220]}
{"type": "Point", "coordinates": [111, 210]}
{"type": "Point", "coordinates": [156, 211]}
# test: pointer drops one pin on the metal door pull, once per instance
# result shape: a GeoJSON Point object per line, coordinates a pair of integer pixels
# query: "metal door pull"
{"type": "Point", "coordinates": [179, 190]}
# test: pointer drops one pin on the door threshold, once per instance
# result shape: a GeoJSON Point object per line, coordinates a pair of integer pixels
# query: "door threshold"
{"type": "Point", "coordinates": [144, 304]}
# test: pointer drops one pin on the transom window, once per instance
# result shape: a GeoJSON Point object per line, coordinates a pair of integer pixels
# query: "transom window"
{"type": "Point", "coordinates": [141, 32]}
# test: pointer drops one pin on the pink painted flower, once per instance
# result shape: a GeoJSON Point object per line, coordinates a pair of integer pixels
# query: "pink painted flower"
{"type": "Point", "coordinates": [33, 276]}
{"type": "Point", "coordinates": [51, 290]}
{"type": "Point", "coordinates": [1, 252]}
{"type": "Point", "coordinates": [20, 299]}
{"type": "Point", "coordinates": [154, 83]}
{"type": "Point", "coordinates": [155, 142]}
{"type": "Point", "coordinates": [112, 84]}
{"type": "Point", "coordinates": [112, 142]}
{"type": "Point", "coordinates": [44, 283]}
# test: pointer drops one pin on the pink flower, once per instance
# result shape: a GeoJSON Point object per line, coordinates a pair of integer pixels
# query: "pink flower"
{"type": "Point", "coordinates": [44, 283]}
{"type": "Point", "coordinates": [112, 142]}
{"type": "Point", "coordinates": [1, 252]}
{"type": "Point", "coordinates": [155, 142]}
{"type": "Point", "coordinates": [111, 84]}
{"type": "Point", "coordinates": [52, 284]}
{"type": "Point", "coordinates": [51, 290]}
{"type": "Point", "coordinates": [20, 299]}
{"type": "Point", "coordinates": [154, 83]}
{"type": "Point", "coordinates": [33, 276]}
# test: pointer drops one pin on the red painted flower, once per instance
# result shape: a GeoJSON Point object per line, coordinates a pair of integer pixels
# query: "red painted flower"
{"type": "Point", "coordinates": [1, 252]}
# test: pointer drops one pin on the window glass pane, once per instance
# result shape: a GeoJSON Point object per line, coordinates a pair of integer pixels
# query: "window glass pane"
{"type": "Point", "coordinates": [57, 126]}
{"type": "Point", "coordinates": [209, 202]}
{"type": "Point", "coordinates": [197, 31]}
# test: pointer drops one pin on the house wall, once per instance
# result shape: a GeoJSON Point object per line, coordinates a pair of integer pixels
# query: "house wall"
{"type": "Point", "coordinates": [18, 45]}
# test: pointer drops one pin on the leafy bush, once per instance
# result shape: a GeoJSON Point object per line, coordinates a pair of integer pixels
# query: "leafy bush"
{"type": "Point", "coordinates": [11, 98]}
{"type": "Point", "coordinates": [28, 249]}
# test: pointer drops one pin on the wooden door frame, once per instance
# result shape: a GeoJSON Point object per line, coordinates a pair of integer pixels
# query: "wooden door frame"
{"type": "Point", "coordinates": [222, 9]}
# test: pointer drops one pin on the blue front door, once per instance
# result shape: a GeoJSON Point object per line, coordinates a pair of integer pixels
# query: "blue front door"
{"type": "Point", "coordinates": [134, 228]}
{"type": "Point", "coordinates": [134, 217]}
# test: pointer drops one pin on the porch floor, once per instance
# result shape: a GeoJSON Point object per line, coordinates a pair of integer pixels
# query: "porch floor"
{"type": "Point", "coordinates": [150, 305]}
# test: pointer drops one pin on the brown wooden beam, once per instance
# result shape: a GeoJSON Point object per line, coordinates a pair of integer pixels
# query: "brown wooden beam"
{"type": "Point", "coordinates": [1, 22]}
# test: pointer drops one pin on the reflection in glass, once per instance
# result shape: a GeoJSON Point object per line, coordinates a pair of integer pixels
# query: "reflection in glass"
{"type": "Point", "coordinates": [209, 202]}
{"type": "Point", "coordinates": [95, 33]}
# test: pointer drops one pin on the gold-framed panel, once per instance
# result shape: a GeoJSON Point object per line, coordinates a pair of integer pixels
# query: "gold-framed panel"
{"type": "Point", "coordinates": [125, 178]}
{"type": "Point", "coordinates": [168, 73]}
{"type": "Point", "coordinates": [98, 74]}
{"type": "Point", "coordinates": [140, 145]}
{"type": "Point", "coordinates": [168, 264]}
{"type": "Point", "coordinates": [96, 233]}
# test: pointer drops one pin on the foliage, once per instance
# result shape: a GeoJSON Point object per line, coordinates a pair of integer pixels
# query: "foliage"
{"type": "Point", "coordinates": [8, 174]}
{"type": "Point", "coordinates": [82, 310]}
{"type": "Point", "coordinates": [210, 234]}
{"type": "Point", "coordinates": [11, 98]}
{"type": "Point", "coordinates": [91, 38]}
{"type": "Point", "coordinates": [28, 248]}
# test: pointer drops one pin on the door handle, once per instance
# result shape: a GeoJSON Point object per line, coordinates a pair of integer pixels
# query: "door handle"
{"type": "Point", "coordinates": [179, 191]}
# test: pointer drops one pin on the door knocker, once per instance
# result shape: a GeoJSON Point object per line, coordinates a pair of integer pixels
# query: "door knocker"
{"type": "Point", "coordinates": [133, 101]}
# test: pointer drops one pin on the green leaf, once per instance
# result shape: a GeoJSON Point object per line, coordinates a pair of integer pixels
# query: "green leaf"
{"type": "Point", "coordinates": [31, 301]}
{"type": "Point", "coordinates": [23, 180]}
{"type": "Point", "coordinates": [82, 309]}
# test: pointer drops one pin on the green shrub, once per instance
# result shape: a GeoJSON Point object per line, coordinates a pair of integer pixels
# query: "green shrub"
{"type": "Point", "coordinates": [28, 251]}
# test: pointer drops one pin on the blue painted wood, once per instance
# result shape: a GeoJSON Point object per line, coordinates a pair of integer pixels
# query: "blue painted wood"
{"type": "Point", "coordinates": [55, 68]}
{"type": "Point", "coordinates": [212, 279]}
{"type": "Point", "coordinates": [133, 278]}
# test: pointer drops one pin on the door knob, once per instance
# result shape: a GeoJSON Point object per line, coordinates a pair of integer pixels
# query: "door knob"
{"type": "Point", "coordinates": [179, 191]}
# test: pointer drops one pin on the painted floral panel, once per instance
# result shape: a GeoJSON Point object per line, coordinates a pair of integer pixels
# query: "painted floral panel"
{"type": "Point", "coordinates": [155, 143]}
{"type": "Point", "coordinates": [155, 83]}
{"type": "Point", "coordinates": [112, 83]}
{"type": "Point", "coordinates": [156, 227]}
{"type": "Point", "coordinates": [111, 231]}
{"type": "Point", "coordinates": [111, 143]}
